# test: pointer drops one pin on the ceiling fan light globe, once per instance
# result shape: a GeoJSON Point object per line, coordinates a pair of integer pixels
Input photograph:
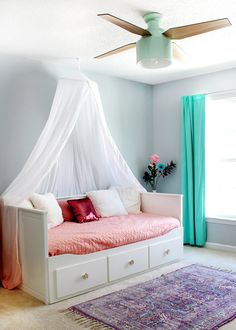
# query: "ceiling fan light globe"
{"type": "Point", "coordinates": [154, 63]}
{"type": "Point", "coordinates": [154, 51]}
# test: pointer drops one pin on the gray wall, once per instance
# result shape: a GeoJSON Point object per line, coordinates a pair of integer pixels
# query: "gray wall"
{"type": "Point", "coordinates": [167, 132]}
{"type": "Point", "coordinates": [221, 233]}
{"type": "Point", "coordinates": [26, 93]}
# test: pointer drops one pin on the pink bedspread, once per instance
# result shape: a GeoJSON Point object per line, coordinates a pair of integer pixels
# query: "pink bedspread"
{"type": "Point", "coordinates": [84, 238]}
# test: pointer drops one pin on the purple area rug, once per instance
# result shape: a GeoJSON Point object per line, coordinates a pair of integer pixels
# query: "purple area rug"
{"type": "Point", "coordinates": [193, 297]}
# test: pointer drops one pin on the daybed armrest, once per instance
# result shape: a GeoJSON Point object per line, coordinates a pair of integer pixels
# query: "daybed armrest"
{"type": "Point", "coordinates": [164, 204]}
{"type": "Point", "coordinates": [33, 230]}
{"type": "Point", "coordinates": [33, 243]}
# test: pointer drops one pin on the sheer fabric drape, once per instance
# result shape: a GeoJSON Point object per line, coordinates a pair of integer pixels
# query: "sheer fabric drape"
{"type": "Point", "coordinates": [75, 153]}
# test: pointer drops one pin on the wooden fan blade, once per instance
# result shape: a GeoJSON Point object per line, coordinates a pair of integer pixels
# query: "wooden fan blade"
{"type": "Point", "coordinates": [117, 50]}
{"type": "Point", "coordinates": [125, 25]}
{"type": "Point", "coordinates": [178, 53]}
{"type": "Point", "coordinates": [186, 31]}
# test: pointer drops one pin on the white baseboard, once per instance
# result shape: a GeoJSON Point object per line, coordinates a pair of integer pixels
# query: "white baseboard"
{"type": "Point", "coordinates": [222, 247]}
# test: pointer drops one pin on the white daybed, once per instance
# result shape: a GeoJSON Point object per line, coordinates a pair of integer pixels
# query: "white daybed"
{"type": "Point", "coordinates": [51, 279]}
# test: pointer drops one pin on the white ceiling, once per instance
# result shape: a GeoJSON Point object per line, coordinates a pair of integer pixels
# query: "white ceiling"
{"type": "Point", "coordinates": [71, 29]}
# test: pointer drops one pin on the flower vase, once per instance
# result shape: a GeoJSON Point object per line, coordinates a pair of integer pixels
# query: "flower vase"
{"type": "Point", "coordinates": [154, 191]}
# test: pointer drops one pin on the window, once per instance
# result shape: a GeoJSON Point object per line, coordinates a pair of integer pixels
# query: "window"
{"type": "Point", "coordinates": [221, 157]}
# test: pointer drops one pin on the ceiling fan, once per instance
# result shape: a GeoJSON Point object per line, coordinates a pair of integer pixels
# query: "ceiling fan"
{"type": "Point", "coordinates": [154, 48]}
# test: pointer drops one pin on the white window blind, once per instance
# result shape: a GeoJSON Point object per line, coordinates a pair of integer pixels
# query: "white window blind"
{"type": "Point", "coordinates": [221, 157]}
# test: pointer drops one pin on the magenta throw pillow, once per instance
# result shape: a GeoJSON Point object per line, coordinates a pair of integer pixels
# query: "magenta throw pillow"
{"type": "Point", "coordinates": [83, 210]}
{"type": "Point", "coordinates": [67, 212]}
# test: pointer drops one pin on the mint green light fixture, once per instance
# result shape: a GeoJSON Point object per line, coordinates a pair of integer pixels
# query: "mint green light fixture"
{"type": "Point", "coordinates": [153, 51]}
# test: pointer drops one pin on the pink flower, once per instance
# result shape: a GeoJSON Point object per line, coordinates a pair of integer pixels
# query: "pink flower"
{"type": "Point", "coordinates": [154, 158]}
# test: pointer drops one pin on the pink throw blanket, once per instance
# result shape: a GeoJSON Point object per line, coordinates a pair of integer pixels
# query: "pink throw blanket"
{"type": "Point", "coordinates": [84, 238]}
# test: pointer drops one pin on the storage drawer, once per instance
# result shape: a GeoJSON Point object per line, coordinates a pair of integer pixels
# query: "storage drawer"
{"type": "Point", "coordinates": [81, 277]}
{"type": "Point", "coordinates": [163, 252]}
{"type": "Point", "coordinates": [127, 263]}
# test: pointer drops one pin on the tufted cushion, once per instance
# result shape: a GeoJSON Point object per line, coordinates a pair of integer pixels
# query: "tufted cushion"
{"type": "Point", "coordinates": [130, 197]}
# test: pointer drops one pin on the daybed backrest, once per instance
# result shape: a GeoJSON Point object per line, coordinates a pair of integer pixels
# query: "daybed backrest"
{"type": "Point", "coordinates": [159, 203]}
{"type": "Point", "coordinates": [71, 197]}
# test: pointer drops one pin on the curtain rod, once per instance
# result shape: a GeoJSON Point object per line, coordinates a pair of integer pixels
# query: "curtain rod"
{"type": "Point", "coordinates": [222, 92]}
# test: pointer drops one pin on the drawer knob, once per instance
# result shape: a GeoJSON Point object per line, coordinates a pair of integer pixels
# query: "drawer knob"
{"type": "Point", "coordinates": [166, 252]}
{"type": "Point", "coordinates": [131, 262]}
{"type": "Point", "coordinates": [85, 276]}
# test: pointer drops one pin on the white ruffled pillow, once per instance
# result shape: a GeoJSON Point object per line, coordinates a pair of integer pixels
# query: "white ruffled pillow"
{"type": "Point", "coordinates": [48, 203]}
{"type": "Point", "coordinates": [107, 202]}
{"type": "Point", "coordinates": [130, 197]}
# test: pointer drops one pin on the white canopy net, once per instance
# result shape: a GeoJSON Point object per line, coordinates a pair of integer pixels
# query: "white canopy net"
{"type": "Point", "coordinates": [75, 153]}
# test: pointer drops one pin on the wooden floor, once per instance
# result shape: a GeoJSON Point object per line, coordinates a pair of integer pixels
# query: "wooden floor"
{"type": "Point", "coordinates": [19, 311]}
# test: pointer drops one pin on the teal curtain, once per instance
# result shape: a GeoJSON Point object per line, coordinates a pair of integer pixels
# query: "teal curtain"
{"type": "Point", "coordinates": [193, 169]}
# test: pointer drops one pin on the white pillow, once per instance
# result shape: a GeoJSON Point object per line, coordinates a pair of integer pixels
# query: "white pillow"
{"type": "Point", "coordinates": [130, 197]}
{"type": "Point", "coordinates": [48, 203]}
{"type": "Point", "coordinates": [26, 204]}
{"type": "Point", "coordinates": [107, 202]}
